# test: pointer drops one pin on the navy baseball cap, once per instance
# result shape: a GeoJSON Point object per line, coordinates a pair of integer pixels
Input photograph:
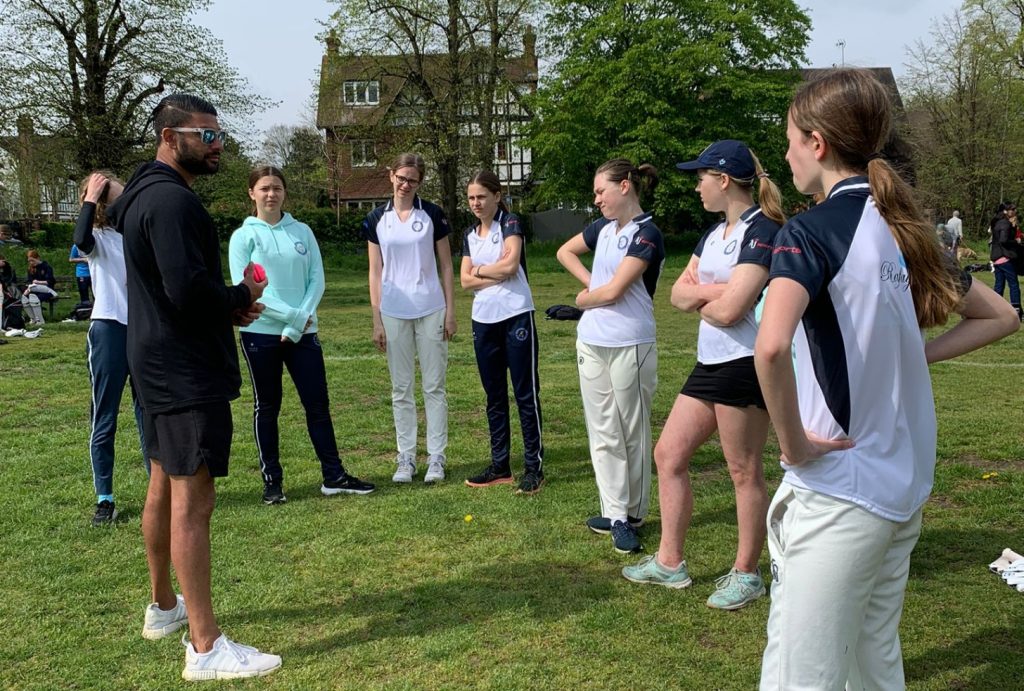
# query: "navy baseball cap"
{"type": "Point", "coordinates": [729, 156]}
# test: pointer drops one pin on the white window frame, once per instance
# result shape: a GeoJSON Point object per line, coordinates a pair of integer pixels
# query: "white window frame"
{"type": "Point", "coordinates": [361, 93]}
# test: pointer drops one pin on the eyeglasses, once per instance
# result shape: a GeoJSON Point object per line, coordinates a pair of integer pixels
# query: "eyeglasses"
{"type": "Point", "coordinates": [402, 180]}
{"type": "Point", "coordinates": [208, 136]}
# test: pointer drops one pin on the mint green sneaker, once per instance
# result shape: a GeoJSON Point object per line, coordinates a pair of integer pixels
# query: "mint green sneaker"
{"type": "Point", "coordinates": [737, 589]}
{"type": "Point", "coordinates": [648, 570]}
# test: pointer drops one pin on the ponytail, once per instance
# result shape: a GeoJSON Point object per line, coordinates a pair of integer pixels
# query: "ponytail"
{"type": "Point", "coordinates": [934, 290]}
{"type": "Point", "coordinates": [768, 196]}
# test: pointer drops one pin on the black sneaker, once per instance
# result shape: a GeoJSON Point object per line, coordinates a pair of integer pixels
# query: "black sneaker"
{"type": "Point", "coordinates": [603, 526]}
{"type": "Point", "coordinates": [624, 538]}
{"type": "Point", "coordinates": [491, 476]}
{"type": "Point", "coordinates": [106, 514]}
{"type": "Point", "coordinates": [531, 482]}
{"type": "Point", "coordinates": [346, 484]}
{"type": "Point", "coordinates": [273, 494]}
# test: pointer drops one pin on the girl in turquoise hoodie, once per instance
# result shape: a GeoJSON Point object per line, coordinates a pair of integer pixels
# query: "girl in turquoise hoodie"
{"type": "Point", "coordinates": [285, 335]}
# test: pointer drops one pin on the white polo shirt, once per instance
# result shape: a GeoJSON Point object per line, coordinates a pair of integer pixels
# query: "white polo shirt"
{"type": "Point", "coordinates": [630, 320]}
{"type": "Point", "coordinates": [109, 278]}
{"type": "Point", "coordinates": [410, 287]}
{"type": "Point", "coordinates": [511, 297]}
{"type": "Point", "coordinates": [860, 363]}
{"type": "Point", "coordinates": [750, 242]}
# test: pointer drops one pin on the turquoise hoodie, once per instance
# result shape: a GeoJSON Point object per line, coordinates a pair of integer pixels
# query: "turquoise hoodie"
{"type": "Point", "coordinates": [295, 273]}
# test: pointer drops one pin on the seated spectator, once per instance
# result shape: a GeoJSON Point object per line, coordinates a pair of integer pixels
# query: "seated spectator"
{"type": "Point", "coordinates": [6, 237]}
{"type": "Point", "coordinates": [39, 288]}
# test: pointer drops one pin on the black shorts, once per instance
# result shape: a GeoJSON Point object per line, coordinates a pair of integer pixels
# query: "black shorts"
{"type": "Point", "coordinates": [732, 383]}
{"type": "Point", "coordinates": [182, 440]}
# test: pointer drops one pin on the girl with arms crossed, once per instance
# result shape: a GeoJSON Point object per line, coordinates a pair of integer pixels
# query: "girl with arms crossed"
{"type": "Point", "coordinates": [615, 347]}
{"type": "Point", "coordinates": [852, 283]}
{"type": "Point", "coordinates": [723, 281]}
{"type": "Point", "coordinates": [504, 332]}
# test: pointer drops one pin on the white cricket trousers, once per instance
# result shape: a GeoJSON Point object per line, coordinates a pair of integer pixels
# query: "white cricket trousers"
{"type": "Point", "coordinates": [839, 573]}
{"type": "Point", "coordinates": [407, 340]}
{"type": "Point", "coordinates": [617, 384]}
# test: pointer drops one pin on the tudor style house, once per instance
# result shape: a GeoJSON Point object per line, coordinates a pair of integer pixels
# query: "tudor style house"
{"type": "Point", "coordinates": [369, 104]}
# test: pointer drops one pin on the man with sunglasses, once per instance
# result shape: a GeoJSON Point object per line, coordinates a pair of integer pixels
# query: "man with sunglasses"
{"type": "Point", "coordinates": [182, 357]}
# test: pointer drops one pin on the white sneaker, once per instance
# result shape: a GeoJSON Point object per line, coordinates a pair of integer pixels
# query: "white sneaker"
{"type": "Point", "coordinates": [160, 623]}
{"type": "Point", "coordinates": [11, 333]}
{"type": "Point", "coordinates": [1006, 559]}
{"type": "Point", "coordinates": [33, 334]}
{"type": "Point", "coordinates": [435, 468]}
{"type": "Point", "coordinates": [406, 468]}
{"type": "Point", "coordinates": [226, 660]}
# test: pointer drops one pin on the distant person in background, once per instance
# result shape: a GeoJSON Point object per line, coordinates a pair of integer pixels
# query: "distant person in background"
{"type": "Point", "coordinates": [39, 288]}
{"type": "Point", "coordinates": [82, 276]}
{"type": "Point", "coordinates": [504, 332]}
{"type": "Point", "coordinates": [955, 228]}
{"type": "Point", "coordinates": [412, 298]}
{"type": "Point", "coordinates": [106, 344]}
{"type": "Point", "coordinates": [286, 334]}
{"type": "Point", "coordinates": [1005, 252]}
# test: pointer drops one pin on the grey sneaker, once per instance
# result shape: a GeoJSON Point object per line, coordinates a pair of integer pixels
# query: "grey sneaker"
{"type": "Point", "coordinates": [435, 468]}
{"type": "Point", "coordinates": [649, 570]}
{"type": "Point", "coordinates": [406, 468]}
{"type": "Point", "coordinates": [737, 589]}
{"type": "Point", "coordinates": [160, 623]}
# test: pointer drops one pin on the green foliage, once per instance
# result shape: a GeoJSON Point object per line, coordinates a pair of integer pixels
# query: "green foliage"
{"type": "Point", "coordinates": [92, 70]}
{"type": "Point", "coordinates": [56, 234]}
{"type": "Point", "coordinates": [657, 83]}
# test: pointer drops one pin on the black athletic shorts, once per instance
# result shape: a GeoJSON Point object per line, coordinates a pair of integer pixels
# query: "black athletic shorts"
{"type": "Point", "coordinates": [182, 440]}
{"type": "Point", "coordinates": [731, 383]}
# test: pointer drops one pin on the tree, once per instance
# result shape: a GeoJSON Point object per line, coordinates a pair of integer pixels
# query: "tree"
{"type": "Point", "coordinates": [657, 82]}
{"type": "Point", "coordinates": [449, 54]}
{"type": "Point", "coordinates": [300, 153]}
{"type": "Point", "coordinates": [92, 70]}
{"type": "Point", "coordinates": [965, 91]}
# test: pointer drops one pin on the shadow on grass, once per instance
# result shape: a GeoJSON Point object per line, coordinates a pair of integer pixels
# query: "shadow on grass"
{"type": "Point", "coordinates": [539, 591]}
{"type": "Point", "coordinates": [995, 657]}
{"type": "Point", "coordinates": [946, 550]}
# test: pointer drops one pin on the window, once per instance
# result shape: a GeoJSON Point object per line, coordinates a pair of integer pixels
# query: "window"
{"type": "Point", "coordinates": [362, 93]}
{"type": "Point", "coordinates": [363, 155]}
{"type": "Point", "coordinates": [501, 150]}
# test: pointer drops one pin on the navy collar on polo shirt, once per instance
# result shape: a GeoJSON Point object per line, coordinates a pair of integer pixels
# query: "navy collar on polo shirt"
{"type": "Point", "coordinates": [851, 184]}
{"type": "Point", "coordinates": [750, 213]}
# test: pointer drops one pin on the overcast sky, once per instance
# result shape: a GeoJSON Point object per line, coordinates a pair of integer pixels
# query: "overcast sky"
{"type": "Point", "coordinates": [273, 44]}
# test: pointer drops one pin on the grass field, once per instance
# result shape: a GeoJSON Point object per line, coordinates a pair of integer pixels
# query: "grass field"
{"type": "Point", "coordinates": [397, 590]}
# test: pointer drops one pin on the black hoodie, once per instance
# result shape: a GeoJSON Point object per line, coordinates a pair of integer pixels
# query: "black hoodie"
{"type": "Point", "coordinates": [181, 348]}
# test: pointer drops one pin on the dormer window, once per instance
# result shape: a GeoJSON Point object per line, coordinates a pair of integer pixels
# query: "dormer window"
{"type": "Point", "coordinates": [362, 93]}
